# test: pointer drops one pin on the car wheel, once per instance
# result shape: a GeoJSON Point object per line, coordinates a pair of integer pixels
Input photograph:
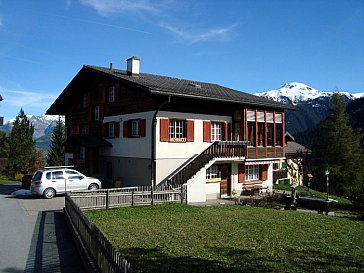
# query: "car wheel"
{"type": "Point", "coordinates": [93, 186]}
{"type": "Point", "coordinates": [49, 193]}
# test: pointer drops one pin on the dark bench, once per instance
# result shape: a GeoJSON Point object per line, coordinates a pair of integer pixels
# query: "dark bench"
{"type": "Point", "coordinates": [320, 205]}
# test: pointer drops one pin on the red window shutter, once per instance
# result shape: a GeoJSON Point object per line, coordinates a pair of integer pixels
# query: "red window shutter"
{"type": "Point", "coordinates": [190, 130]}
{"type": "Point", "coordinates": [206, 131]}
{"type": "Point", "coordinates": [264, 172]}
{"type": "Point", "coordinates": [116, 129]}
{"type": "Point", "coordinates": [126, 128]}
{"type": "Point", "coordinates": [164, 129]}
{"type": "Point", "coordinates": [241, 173]}
{"type": "Point", "coordinates": [142, 127]}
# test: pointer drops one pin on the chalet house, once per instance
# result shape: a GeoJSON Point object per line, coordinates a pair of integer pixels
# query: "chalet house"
{"type": "Point", "coordinates": [293, 167]}
{"type": "Point", "coordinates": [131, 128]}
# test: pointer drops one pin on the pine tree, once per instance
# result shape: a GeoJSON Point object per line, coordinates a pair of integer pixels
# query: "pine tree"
{"type": "Point", "coordinates": [56, 152]}
{"type": "Point", "coordinates": [339, 149]}
{"type": "Point", "coordinates": [4, 145]}
{"type": "Point", "coordinates": [21, 146]}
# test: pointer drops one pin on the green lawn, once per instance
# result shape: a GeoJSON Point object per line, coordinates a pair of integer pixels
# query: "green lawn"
{"type": "Point", "coordinates": [181, 238]}
{"type": "Point", "coordinates": [6, 181]}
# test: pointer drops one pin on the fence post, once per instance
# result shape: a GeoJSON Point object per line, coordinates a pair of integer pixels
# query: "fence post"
{"type": "Point", "coordinates": [152, 195]}
{"type": "Point", "coordinates": [107, 198]}
{"type": "Point", "coordinates": [132, 198]}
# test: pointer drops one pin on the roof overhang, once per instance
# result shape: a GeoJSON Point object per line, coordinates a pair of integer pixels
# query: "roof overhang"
{"type": "Point", "coordinates": [86, 141]}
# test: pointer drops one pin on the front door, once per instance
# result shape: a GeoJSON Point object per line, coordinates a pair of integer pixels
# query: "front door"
{"type": "Point", "coordinates": [225, 184]}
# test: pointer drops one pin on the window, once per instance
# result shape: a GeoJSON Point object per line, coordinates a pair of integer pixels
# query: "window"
{"type": "Point", "coordinates": [251, 128]}
{"type": "Point", "coordinates": [177, 130]}
{"type": "Point", "coordinates": [82, 153]}
{"type": "Point", "coordinates": [84, 130]}
{"type": "Point", "coordinates": [261, 128]}
{"type": "Point", "coordinates": [275, 166]}
{"type": "Point", "coordinates": [212, 172]}
{"type": "Point", "coordinates": [111, 94]}
{"type": "Point", "coordinates": [251, 172]}
{"type": "Point", "coordinates": [84, 101]}
{"type": "Point", "coordinates": [134, 128]}
{"type": "Point", "coordinates": [216, 131]}
{"type": "Point", "coordinates": [111, 129]}
{"type": "Point", "coordinates": [97, 112]}
{"type": "Point", "coordinates": [279, 129]}
{"type": "Point", "coordinates": [73, 175]}
{"type": "Point", "coordinates": [57, 175]}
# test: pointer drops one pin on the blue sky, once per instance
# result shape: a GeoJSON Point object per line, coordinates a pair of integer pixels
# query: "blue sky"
{"type": "Point", "coordinates": [252, 46]}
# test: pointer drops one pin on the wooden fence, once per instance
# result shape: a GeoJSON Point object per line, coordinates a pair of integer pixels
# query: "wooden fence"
{"type": "Point", "coordinates": [103, 253]}
{"type": "Point", "coordinates": [104, 256]}
{"type": "Point", "coordinates": [126, 197]}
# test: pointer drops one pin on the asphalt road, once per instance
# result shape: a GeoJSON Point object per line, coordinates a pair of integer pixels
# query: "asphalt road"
{"type": "Point", "coordinates": [34, 236]}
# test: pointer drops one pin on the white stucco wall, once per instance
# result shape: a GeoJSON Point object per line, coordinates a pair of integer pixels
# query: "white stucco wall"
{"type": "Point", "coordinates": [130, 147]}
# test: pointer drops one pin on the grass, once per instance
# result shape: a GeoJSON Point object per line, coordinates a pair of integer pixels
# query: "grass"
{"type": "Point", "coordinates": [6, 181]}
{"type": "Point", "coordinates": [181, 238]}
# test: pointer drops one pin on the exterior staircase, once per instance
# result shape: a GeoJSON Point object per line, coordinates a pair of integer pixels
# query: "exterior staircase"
{"type": "Point", "coordinates": [218, 149]}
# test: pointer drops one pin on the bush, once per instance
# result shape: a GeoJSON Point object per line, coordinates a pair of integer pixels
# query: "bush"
{"type": "Point", "coordinates": [270, 200]}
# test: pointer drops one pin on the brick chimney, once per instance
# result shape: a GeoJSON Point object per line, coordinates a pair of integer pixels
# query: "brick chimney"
{"type": "Point", "coordinates": [133, 66]}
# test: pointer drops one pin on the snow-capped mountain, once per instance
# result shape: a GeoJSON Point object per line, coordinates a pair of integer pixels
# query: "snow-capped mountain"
{"type": "Point", "coordinates": [312, 104]}
{"type": "Point", "coordinates": [295, 92]}
{"type": "Point", "coordinates": [43, 128]}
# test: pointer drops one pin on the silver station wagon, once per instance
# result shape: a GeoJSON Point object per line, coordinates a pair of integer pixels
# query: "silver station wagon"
{"type": "Point", "coordinates": [57, 180]}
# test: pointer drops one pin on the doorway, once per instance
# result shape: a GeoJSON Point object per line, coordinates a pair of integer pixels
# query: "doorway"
{"type": "Point", "coordinates": [225, 183]}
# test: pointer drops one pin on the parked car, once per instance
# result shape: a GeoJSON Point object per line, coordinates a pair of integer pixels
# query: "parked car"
{"type": "Point", "coordinates": [57, 180]}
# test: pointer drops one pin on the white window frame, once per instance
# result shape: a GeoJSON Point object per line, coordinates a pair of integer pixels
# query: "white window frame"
{"type": "Point", "coordinates": [212, 172]}
{"type": "Point", "coordinates": [111, 129]}
{"type": "Point", "coordinates": [252, 172]}
{"type": "Point", "coordinates": [111, 93]}
{"type": "Point", "coordinates": [216, 131]}
{"type": "Point", "coordinates": [135, 128]}
{"type": "Point", "coordinates": [177, 129]}
{"type": "Point", "coordinates": [97, 112]}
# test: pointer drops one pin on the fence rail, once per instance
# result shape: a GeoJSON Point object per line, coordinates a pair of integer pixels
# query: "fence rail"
{"type": "Point", "coordinates": [104, 255]}
{"type": "Point", "coordinates": [125, 197]}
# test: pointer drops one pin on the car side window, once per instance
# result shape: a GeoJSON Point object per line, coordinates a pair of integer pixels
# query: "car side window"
{"type": "Point", "coordinates": [48, 176]}
{"type": "Point", "coordinates": [73, 175]}
{"type": "Point", "coordinates": [57, 175]}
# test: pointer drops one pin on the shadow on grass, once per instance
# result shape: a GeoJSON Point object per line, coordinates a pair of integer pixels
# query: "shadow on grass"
{"type": "Point", "coordinates": [237, 260]}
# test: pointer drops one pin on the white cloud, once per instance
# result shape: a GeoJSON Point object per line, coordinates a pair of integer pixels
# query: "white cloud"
{"type": "Point", "coordinates": [27, 98]}
{"type": "Point", "coordinates": [194, 37]}
{"type": "Point", "coordinates": [106, 7]}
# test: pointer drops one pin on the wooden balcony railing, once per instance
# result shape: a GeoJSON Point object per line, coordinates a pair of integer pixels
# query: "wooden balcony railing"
{"type": "Point", "coordinates": [218, 149]}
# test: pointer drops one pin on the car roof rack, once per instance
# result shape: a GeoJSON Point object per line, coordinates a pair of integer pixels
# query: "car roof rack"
{"type": "Point", "coordinates": [58, 167]}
